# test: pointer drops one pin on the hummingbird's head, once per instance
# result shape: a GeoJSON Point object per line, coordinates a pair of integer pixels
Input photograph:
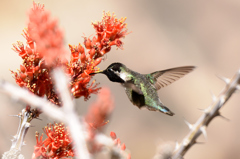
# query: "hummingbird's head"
{"type": "Point", "coordinates": [113, 72]}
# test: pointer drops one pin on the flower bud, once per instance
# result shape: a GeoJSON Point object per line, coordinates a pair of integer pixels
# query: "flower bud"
{"type": "Point", "coordinates": [23, 76]}
{"type": "Point", "coordinates": [97, 61]}
{"type": "Point", "coordinates": [87, 43]}
{"type": "Point", "coordinates": [123, 147]}
{"type": "Point", "coordinates": [92, 53]}
{"type": "Point", "coordinates": [94, 41]}
{"type": "Point", "coordinates": [30, 75]}
{"type": "Point", "coordinates": [22, 68]}
{"type": "Point", "coordinates": [75, 56]}
{"type": "Point", "coordinates": [113, 135]}
{"type": "Point", "coordinates": [81, 49]}
{"type": "Point", "coordinates": [83, 57]}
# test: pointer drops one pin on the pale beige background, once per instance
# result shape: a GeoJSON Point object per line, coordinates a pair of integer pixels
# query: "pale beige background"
{"type": "Point", "coordinates": [164, 34]}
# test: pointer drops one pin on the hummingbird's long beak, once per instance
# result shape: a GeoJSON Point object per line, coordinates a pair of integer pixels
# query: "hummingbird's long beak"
{"type": "Point", "coordinates": [97, 72]}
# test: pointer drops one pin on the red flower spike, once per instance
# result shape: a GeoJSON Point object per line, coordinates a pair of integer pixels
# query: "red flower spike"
{"type": "Point", "coordinates": [129, 156]}
{"type": "Point", "coordinates": [109, 31]}
{"type": "Point", "coordinates": [45, 33]}
{"type": "Point", "coordinates": [113, 135]}
{"type": "Point", "coordinates": [42, 43]}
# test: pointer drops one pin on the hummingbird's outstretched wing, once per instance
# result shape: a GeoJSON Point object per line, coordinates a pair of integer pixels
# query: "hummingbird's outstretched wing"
{"type": "Point", "coordinates": [165, 77]}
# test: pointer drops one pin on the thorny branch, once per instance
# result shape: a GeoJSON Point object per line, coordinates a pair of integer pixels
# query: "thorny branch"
{"type": "Point", "coordinates": [212, 111]}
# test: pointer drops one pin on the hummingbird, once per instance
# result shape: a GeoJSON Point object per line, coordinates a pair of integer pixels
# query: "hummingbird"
{"type": "Point", "coordinates": [141, 89]}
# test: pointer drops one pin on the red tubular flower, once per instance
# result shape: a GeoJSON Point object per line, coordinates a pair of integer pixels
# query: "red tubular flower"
{"type": "Point", "coordinates": [39, 150]}
{"type": "Point", "coordinates": [58, 143]}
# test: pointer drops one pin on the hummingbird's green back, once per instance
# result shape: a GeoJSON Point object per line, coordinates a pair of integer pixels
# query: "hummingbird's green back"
{"type": "Point", "coordinates": [147, 96]}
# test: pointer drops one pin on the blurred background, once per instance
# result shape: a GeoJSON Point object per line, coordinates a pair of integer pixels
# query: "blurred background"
{"type": "Point", "coordinates": [164, 34]}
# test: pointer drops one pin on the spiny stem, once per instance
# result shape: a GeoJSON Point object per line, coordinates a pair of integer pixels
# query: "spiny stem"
{"type": "Point", "coordinates": [212, 111]}
{"type": "Point", "coordinates": [18, 140]}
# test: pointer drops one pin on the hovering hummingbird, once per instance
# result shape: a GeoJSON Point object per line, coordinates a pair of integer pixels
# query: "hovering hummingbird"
{"type": "Point", "coordinates": [141, 89]}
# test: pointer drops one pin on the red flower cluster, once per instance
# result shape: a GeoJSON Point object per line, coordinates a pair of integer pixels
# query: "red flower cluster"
{"type": "Point", "coordinates": [79, 68]}
{"type": "Point", "coordinates": [44, 51]}
{"type": "Point", "coordinates": [84, 60]}
{"type": "Point", "coordinates": [109, 31]}
{"type": "Point", "coordinates": [58, 144]}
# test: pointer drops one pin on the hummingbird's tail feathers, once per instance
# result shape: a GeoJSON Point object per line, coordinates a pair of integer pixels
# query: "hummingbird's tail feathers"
{"type": "Point", "coordinates": [165, 110]}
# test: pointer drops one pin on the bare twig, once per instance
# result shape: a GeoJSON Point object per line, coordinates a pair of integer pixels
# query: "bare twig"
{"type": "Point", "coordinates": [212, 111]}
{"type": "Point", "coordinates": [24, 95]}
{"type": "Point", "coordinates": [75, 125]}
